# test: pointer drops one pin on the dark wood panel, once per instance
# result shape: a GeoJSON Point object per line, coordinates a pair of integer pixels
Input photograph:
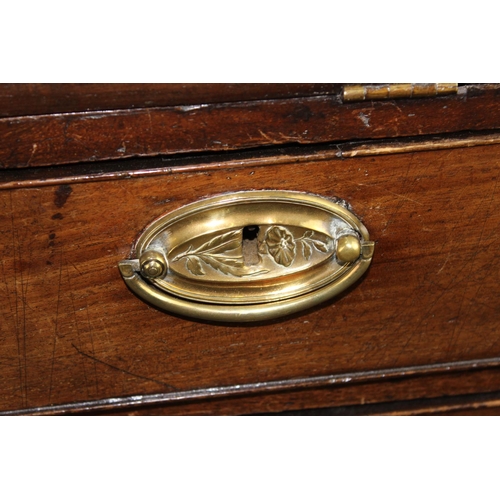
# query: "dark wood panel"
{"type": "Point", "coordinates": [43, 140]}
{"type": "Point", "coordinates": [378, 398]}
{"type": "Point", "coordinates": [154, 167]}
{"type": "Point", "coordinates": [468, 404]}
{"type": "Point", "coordinates": [36, 99]}
{"type": "Point", "coordinates": [424, 390]}
{"type": "Point", "coordinates": [72, 332]}
{"type": "Point", "coordinates": [494, 411]}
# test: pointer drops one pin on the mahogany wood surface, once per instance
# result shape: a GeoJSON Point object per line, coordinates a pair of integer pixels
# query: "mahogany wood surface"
{"type": "Point", "coordinates": [55, 139]}
{"type": "Point", "coordinates": [35, 98]}
{"type": "Point", "coordinates": [475, 404]}
{"type": "Point", "coordinates": [413, 391]}
{"type": "Point", "coordinates": [71, 331]}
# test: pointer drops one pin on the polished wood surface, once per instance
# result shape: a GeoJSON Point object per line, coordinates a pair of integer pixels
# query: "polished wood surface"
{"type": "Point", "coordinates": [72, 333]}
{"type": "Point", "coordinates": [38, 99]}
{"type": "Point", "coordinates": [44, 140]}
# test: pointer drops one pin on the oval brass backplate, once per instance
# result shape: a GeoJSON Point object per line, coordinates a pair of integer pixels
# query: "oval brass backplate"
{"type": "Point", "coordinates": [249, 256]}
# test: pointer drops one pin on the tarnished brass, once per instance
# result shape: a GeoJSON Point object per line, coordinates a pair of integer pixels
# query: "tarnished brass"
{"type": "Point", "coordinates": [397, 91]}
{"type": "Point", "coordinates": [249, 256]}
{"type": "Point", "coordinates": [153, 264]}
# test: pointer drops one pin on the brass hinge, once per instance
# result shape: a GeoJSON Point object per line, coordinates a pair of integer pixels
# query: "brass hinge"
{"type": "Point", "coordinates": [397, 91]}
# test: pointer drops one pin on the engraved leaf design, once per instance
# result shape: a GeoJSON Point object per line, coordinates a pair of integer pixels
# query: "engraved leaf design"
{"type": "Point", "coordinates": [228, 261]}
{"type": "Point", "coordinates": [306, 249]}
{"type": "Point", "coordinates": [262, 248]}
{"type": "Point", "coordinates": [194, 266]}
{"type": "Point", "coordinates": [223, 243]}
{"type": "Point", "coordinates": [308, 242]}
{"type": "Point", "coordinates": [213, 253]}
{"type": "Point", "coordinates": [225, 266]}
{"type": "Point", "coordinates": [320, 245]}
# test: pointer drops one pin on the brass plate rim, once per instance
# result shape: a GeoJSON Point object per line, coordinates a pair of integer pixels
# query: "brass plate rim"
{"type": "Point", "coordinates": [239, 311]}
{"type": "Point", "coordinates": [254, 196]}
{"type": "Point", "coordinates": [244, 313]}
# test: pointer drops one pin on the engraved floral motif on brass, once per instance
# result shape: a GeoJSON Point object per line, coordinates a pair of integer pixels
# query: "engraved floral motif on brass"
{"type": "Point", "coordinates": [281, 244]}
{"type": "Point", "coordinates": [249, 255]}
{"type": "Point", "coordinates": [222, 253]}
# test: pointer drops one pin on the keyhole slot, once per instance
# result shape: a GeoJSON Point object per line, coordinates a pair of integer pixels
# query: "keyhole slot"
{"type": "Point", "coordinates": [250, 245]}
{"type": "Point", "coordinates": [250, 232]}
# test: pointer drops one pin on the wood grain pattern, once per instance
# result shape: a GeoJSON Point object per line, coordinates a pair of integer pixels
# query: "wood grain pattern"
{"type": "Point", "coordinates": [404, 386]}
{"type": "Point", "coordinates": [418, 396]}
{"type": "Point", "coordinates": [36, 99]}
{"type": "Point", "coordinates": [154, 167]}
{"type": "Point", "coordinates": [72, 332]}
{"type": "Point", "coordinates": [42, 140]}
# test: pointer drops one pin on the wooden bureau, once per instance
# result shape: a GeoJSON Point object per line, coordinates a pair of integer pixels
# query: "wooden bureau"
{"type": "Point", "coordinates": [85, 168]}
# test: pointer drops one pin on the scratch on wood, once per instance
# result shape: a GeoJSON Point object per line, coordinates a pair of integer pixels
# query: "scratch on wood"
{"type": "Point", "coordinates": [77, 328]}
{"type": "Point", "coordinates": [365, 119]}
{"type": "Point", "coordinates": [424, 316]}
{"type": "Point", "coordinates": [33, 151]}
{"type": "Point", "coordinates": [76, 269]}
{"type": "Point", "coordinates": [289, 137]}
{"type": "Point", "coordinates": [150, 121]}
{"type": "Point", "coordinates": [395, 194]}
{"type": "Point", "coordinates": [479, 247]}
{"type": "Point", "coordinates": [400, 204]}
{"type": "Point", "coordinates": [21, 349]}
{"type": "Point", "coordinates": [56, 334]}
{"type": "Point", "coordinates": [24, 292]}
{"type": "Point", "coordinates": [445, 262]}
{"type": "Point", "coordinates": [396, 106]}
{"type": "Point", "coordinates": [486, 217]}
{"type": "Point", "coordinates": [122, 370]}
{"type": "Point", "coordinates": [267, 137]}
{"type": "Point", "coordinates": [453, 338]}
{"type": "Point", "coordinates": [93, 349]}
{"type": "Point", "coordinates": [105, 330]}
{"type": "Point", "coordinates": [7, 290]}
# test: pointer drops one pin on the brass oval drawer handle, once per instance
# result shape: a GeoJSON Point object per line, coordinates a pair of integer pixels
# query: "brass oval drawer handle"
{"type": "Point", "coordinates": [249, 256]}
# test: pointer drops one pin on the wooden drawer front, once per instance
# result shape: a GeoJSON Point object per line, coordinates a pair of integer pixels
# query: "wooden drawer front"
{"type": "Point", "coordinates": [71, 331]}
{"type": "Point", "coordinates": [78, 135]}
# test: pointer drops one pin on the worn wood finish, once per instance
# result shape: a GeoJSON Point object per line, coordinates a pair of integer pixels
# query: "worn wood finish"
{"type": "Point", "coordinates": [33, 141]}
{"type": "Point", "coordinates": [155, 167]}
{"type": "Point", "coordinates": [36, 99]}
{"type": "Point", "coordinates": [473, 411]}
{"type": "Point", "coordinates": [379, 398]}
{"type": "Point", "coordinates": [404, 386]}
{"type": "Point", "coordinates": [472, 404]}
{"type": "Point", "coordinates": [72, 332]}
